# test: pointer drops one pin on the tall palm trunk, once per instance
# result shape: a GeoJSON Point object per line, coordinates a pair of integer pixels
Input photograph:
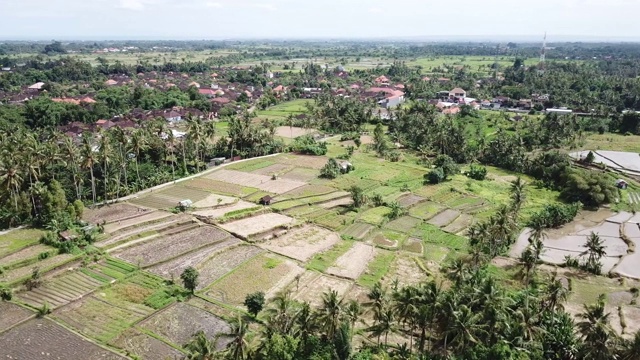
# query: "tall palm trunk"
{"type": "Point", "coordinates": [93, 186]}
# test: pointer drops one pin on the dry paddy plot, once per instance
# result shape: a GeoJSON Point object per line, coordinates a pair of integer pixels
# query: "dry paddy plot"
{"type": "Point", "coordinates": [301, 174]}
{"type": "Point", "coordinates": [11, 314]}
{"type": "Point", "coordinates": [179, 322]}
{"type": "Point", "coordinates": [354, 262]}
{"type": "Point", "coordinates": [219, 187]}
{"type": "Point", "coordinates": [43, 265]}
{"type": "Point", "coordinates": [272, 169]}
{"type": "Point", "coordinates": [145, 346]}
{"type": "Point", "coordinates": [173, 268]}
{"type": "Point", "coordinates": [26, 253]}
{"type": "Point", "coordinates": [262, 182]}
{"type": "Point", "coordinates": [223, 262]}
{"type": "Point", "coordinates": [292, 132]}
{"type": "Point", "coordinates": [214, 200]}
{"type": "Point", "coordinates": [44, 339]}
{"type": "Point", "coordinates": [358, 230]}
{"type": "Point", "coordinates": [111, 213]}
{"type": "Point", "coordinates": [313, 284]}
{"type": "Point", "coordinates": [302, 243]}
{"type": "Point", "coordinates": [164, 248]}
{"type": "Point", "coordinates": [444, 218]}
{"type": "Point", "coordinates": [304, 161]}
{"type": "Point", "coordinates": [257, 224]}
{"type": "Point", "coordinates": [222, 211]}
{"type": "Point", "coordinates": [263, 273]}
{"type": "Point", "coordinates": [145, 218]}
{"type": "Point", "coordinates": [406, 271]}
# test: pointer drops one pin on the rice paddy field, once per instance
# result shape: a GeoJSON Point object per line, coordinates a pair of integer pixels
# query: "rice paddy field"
{"type": "Point", "coordinates": [308, 238]}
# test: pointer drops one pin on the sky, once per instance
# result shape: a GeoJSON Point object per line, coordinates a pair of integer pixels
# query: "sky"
{"type": "Point", "coordinates": [262, 19]}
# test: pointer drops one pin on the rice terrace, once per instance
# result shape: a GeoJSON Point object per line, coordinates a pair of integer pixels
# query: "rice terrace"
{"type": "Point", "coordinates": [323, 200]}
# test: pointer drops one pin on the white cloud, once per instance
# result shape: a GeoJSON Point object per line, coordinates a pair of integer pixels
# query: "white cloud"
{"type": "Point", "coordinates": [375, 10]}
{"type": "Point", "coordinates": [132, 4]}
{"type": "Point", "coordinates": [270, 7]}
{"type": "Point", "coordinates": [211, 4]}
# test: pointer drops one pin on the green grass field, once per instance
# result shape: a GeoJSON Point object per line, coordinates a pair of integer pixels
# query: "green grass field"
{"type": "Point", "coordinates": [324, 260]}
{"type": "Point", "coordinates": [283, 110]}
{"type": "Point", "coordinates": [18, 239]}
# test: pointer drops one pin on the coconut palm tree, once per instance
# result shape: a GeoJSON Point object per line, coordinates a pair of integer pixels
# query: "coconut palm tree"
{"type": "Point", "coordinates": [280, 315]}
{"type": "Point", "coordinates": [105, 153]}
{"type": "Point", "coordinates": [200, 348]}
{"type": "Point", "coordinates": [518, 195]}
{"type": "Point", "coordinates": [11, 178]}
{"type": "Point", "coordinates": [239, 348]}
{"type": "Point", "coordinates": [195, 137]}
{"type": "Point", "coordinates": [353, 312]}
{"type": "Point", "coordinates": [630, 349]}
{"type": "Point", "coordinates": [89, 159]}
{"type": "Point", "coordinates": [330, 312]}
{"type": "Point", "coordinates": [72, 158]}
{"type": "Point", "coordinates": [598, 336]}
{"type": "Point", "coordinates": [554, 293]}
{"type": "Point", "coordinates": [595, 251]}
{"type": "Point", "coordinates": [138, 144]}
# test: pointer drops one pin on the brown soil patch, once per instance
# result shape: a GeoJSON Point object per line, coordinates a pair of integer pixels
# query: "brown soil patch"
{"type": "Point", "coordinates": [214, 201]}
{"type": "Point", "coordinates": [221, 211]}
{"type": "Point", "coordinates": [149, 216]}
{"type": "Point", "coordinates": [272, 169]}
{"type": "Point", "coordinates": [305, 161]}
{"type": "Point", "coordinates": [145, 346]}
{"type": "Point", "coordinates": [111, 213]}
{"type": "Point", "coordinates": [11, 314]}
{"type": "Point", "coordinates": [444, 218]}
{"type": "Point", "coordinates": [410, 200]}
{"type": "Point", "coordinates": [302, 243]}
{"type": "Point", "coordinates": [33, 339]}
{"type": "Point", "coordinates": [313, 285]}
{"type": "Point", "coordinates": [262, 182]}
{"type": "Point", "coordinates": [301, 174]}
{"type": "Point", "coordinates": [179, 322]}
{"type": "Point", "coordinates": [257, 224]}
{"type": "Point", "coordinates": [354, 262]}
{"type": "Point", "coordinates": [26, 253]}
{"type": "Point", "coordinates": [406, 271]}
{"type": "Point", "coordinates": [413, 245]}
{"type": "Point", "coordinates": [292, 132]}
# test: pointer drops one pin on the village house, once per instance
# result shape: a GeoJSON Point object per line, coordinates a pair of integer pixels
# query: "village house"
{"type": "Point", "coordinates": [37, 86]}
{"type": "Point", "coordinates": [173, 116]}
{"type": "Point", "coordinates": [457, 93]}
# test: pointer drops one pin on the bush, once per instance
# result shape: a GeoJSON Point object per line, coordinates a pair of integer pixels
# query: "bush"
{"type": "Point", "coordinates": [435, 176]}
{"type": "Point", "coordinates": [254, 302]}
{"type": "Point", "coordinates": [477, 172]}
{"type": "Point", "coordinates": [5, 293]}
{"type": "Point", "coordinates": [448, 166]}
{"type": "Point", "coordinates": [554, 215]}
{"type": "Point", "coordinates": [306, 144]}
{"type": "Point", "coordinates": [331, 170]}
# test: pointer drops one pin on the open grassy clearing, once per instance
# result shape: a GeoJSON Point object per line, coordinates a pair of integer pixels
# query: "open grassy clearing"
{"type": "Point", "coordinates": [42, 338]}
{"type": "Point", "coordinates": [302, 161]}
{"type": "Point", "coordinates": [169, 198]}
{"type": "Point", "coordinates": [357, 230]}
{"type": "Point", "coordinates": [610, 141]}
{"type": "Point", "coordinates": [377, 268]}
{"type": "Point", "coordinates": [179, 322]}
{"type": "Point", "coordinates": [144, 346]}
{"type": "Point", "coordinates": [265, 272]}
{"type": "Point", "coordinates": [26, 256]}
{"type": "Point", "coordinates": [14, 240]}
{"type": "Point", "coordinates": [221, 211]}
{"type": "Point", "coordinates": [305, 191]}
{"type": "Point", "coordinates": [300, 174]}
{"type": "Point", "coordinates": [319, 199]}
{"type": "Point", "coordinates": [250, 165]}
{"type": "Point", "coordinates": [473, 62]}
{"type": "Point", "coordinates": [283, 110]}
{"type": "Point", "coordinates": [389, 239]}
{"type": "Point", "coordinates": [374, 216]}
{"type": "Point", "coordinates": [323, 260]}
{"type": "Point", "coordinates": [404, 224]}
{"type": "Point", "coordinates": [22, 273]}
{"type": "Point", "coordinates": [220, 187]}
{"type": "Point", "coordinates": [434, 235]}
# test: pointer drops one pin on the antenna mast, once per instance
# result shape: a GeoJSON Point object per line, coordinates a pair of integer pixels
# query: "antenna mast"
{"type": "Point", "coordinates": [543, 54]}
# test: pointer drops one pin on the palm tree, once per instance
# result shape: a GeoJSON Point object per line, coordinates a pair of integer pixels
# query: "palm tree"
{"type": "Point", "coordinates": [330, 312]}
{"type": "Point", "coordinates": [554, 293]}
{"type": "Point", "coordinates": [200, 348]}
{"type": "Point", "coordinates": [123, 141]}
{"type": "Point", "coordinates": [105, 155]}
{"type": "Point", "coordinates": [353, 312]}
{"type": "Point", "coordinates": [194, 135]}
{"type": "Point", "coordinates": [595, 251]}
{"type": "Point", "coordinates": [463, 327]}
{"type": "Point", "coordinates": [384, 323]}
{"type": "Point", "coordinates": [631, 348]}
{"type": "Point", "coordinates": [405, 301]}
{"type": "Point", "coordinates": [280, 315]}
{"type": "Point", "coordinates": [597, 334]}
{"type": "Point", "coordinates": [11, 178]}
{"type": "Point", "coordinates": [89, 160]}
{"type": "Point", "coordinates": [138, 144]}
{"type": "Point", "coordinates": [72, 156]}
{"type": "Point", "coordinates": [518, 195]}
{"type": "Point", "coordinates": [239, 348]}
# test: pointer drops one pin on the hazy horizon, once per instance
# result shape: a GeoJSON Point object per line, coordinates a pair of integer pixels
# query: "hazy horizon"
{"type": "Point", "coordinates": [612, 20]}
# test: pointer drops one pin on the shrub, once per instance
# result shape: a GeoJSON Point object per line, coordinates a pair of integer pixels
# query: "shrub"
{"type": "Point", "coordinates": [434, 176]}
{"type": "Point", "coordinates": [44, 255]}
{"type": "Point", "coordinates": [554, 215]}
{"type": "Point", "coordinates": [477, 172]}
{"type": "Point", "coordinates": [306, 144]}
{"type": "Point", "coordinates": [5, 293]}
{"type": "Point", "coordinates": [254, 302]}
{"type": "Point", "coordinates": [331, 169]}
{"type": "Point", "coordinates": [448, 166]}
